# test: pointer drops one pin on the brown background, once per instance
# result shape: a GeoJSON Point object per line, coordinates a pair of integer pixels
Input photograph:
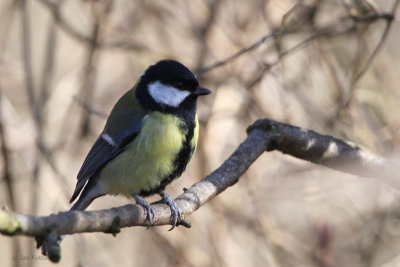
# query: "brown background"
{"type": "Point", "coordinates": [283, 212]}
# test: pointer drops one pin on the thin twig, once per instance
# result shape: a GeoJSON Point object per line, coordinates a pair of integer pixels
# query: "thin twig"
{"type": "Point", "coordinates": [389, 19]}
{"type": "Point", "coordinates": [74, 33]}
{"type": "Point", "coordinates": [90, 72]}
{"type": "Point", "coordinates": [7, 175]}
{"type": "Point", "coordinates": [30, 91]}
{"type": "Point", "coordinates": [320, 34]}
{"type": "Point", "coordinates": [328, 32]}
{"type": "Point", "coordinates": [34, 106]}
{"type": "Point", "coordinates": [237, 54]}
{"type": "Point", "coordinates": [5, 153]}
{"type": "Point", "coordinates": [48, 68]}
{"type": "Point", "coordinates": [203, 31]}
{"type": "Point", "coordinates": [89, 109]}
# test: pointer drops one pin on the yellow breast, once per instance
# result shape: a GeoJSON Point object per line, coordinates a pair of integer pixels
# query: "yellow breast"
{"type": "Point", "coordinates": [146, 160]}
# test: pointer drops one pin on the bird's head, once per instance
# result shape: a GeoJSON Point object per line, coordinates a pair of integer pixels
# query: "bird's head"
{"type": "Point", "coordinates": [168, 86]}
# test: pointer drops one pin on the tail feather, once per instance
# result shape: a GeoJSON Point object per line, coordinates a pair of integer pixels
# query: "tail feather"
{"type": "Point", "coordinates": [83, 202]}
{"type": "Point", "coordinates": [89, 193]}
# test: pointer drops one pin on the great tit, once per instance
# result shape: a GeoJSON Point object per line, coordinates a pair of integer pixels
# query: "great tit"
{"type": "Point", "coordinates": [147, 142]}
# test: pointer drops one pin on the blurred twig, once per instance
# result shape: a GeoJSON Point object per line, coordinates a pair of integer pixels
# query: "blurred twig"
{"type": "Point", "coordinates": [7, 175]}
{"type": "Point", "coordinates": [54, 8]}
{"type": "Point", "coordinates": [388, 17]}
{"type": "Point", "coordinates": [203, 31]}
{"type": "Point", "coordinates": [30, 91]}
{"type": "Point", "coordinates": [26, 38]}
{"type": "Point", "coordinates": [322, 254]}
{"type": "Point", "coordinates": [5, 153]}
{"type": "Point", "coordinates": [89, 74]}
{"type": "Point", "coordinates": [263, 135]}
{"type": "Point", "coordinates": [89, 109]}
{"type": "Point", "coordinates": [327, 32]}
{"type": "Point", "coordinates": [48, 68]}
{"type": "Point", "coordinates": [237, 54]}
{"type": "Point", "coordinates": [34, 106]}
{"type": "Point", "coordinates": [369, 249]}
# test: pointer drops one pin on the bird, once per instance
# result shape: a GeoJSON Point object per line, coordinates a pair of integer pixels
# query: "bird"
{"type": "Point", "coordinates": [147, 141]}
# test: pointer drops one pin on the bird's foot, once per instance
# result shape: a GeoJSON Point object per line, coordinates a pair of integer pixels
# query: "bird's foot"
{"type": "Point", "coordinates": [176, 213]}
{"type": "Point", "coordinates": [150, 212]}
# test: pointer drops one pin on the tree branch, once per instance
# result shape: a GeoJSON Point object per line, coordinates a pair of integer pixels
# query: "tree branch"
{"type": "Point", "coordinates": [329, 152]}
{"type": "Point", "coordinates": [263, 135]}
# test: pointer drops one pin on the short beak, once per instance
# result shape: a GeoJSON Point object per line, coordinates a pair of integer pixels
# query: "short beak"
{"type": "Point", "coordinates": [202, 91]}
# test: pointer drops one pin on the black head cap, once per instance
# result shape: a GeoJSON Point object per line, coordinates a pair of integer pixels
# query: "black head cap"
{"type": "Point", "coordinates": [171, 72]}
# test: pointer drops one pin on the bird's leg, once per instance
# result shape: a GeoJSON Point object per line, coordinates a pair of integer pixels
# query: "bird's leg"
{"type": "Point", "coordinates": [150, 212]}
{"type": "Point", "coordinates": [176, 213]}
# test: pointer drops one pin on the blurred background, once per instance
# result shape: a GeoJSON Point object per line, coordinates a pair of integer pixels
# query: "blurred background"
{"type": "Point", "coordinates": [330, 65]}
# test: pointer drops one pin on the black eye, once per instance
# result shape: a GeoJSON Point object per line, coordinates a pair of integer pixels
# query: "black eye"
{"type": "Point", "coordinates": [179, 84]}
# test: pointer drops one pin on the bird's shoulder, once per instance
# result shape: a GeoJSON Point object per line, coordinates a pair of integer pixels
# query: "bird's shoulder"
{"type": "Point", "coordinates": [126, 112]}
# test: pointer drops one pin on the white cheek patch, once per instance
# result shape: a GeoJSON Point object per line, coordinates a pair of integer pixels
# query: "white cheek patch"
{"type": "Point", "coordinates": [167, 95]}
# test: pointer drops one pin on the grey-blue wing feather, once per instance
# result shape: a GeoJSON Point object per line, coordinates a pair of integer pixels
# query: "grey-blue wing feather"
{"type": "Point", "coordinates": [102, 152]}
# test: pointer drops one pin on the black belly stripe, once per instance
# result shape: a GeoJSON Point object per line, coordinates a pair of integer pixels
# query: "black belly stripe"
{"type": "Point", "coordinates": [181, 160]}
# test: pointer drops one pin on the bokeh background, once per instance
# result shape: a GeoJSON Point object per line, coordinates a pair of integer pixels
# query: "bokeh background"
{"type": "Point", "coordinates": [330, 65]}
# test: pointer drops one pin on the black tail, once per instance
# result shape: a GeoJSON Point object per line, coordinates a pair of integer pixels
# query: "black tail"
{"type": "Point", "coordinates": [89, 193]}
{"type": "Point", "coordinates": [82, 203]}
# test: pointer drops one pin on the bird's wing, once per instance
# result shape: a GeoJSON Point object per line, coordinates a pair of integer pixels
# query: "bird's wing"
{"type": "Point", "coordinates": [104, 149]}
{"type": "Point", "coordinates": [123, 125]}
